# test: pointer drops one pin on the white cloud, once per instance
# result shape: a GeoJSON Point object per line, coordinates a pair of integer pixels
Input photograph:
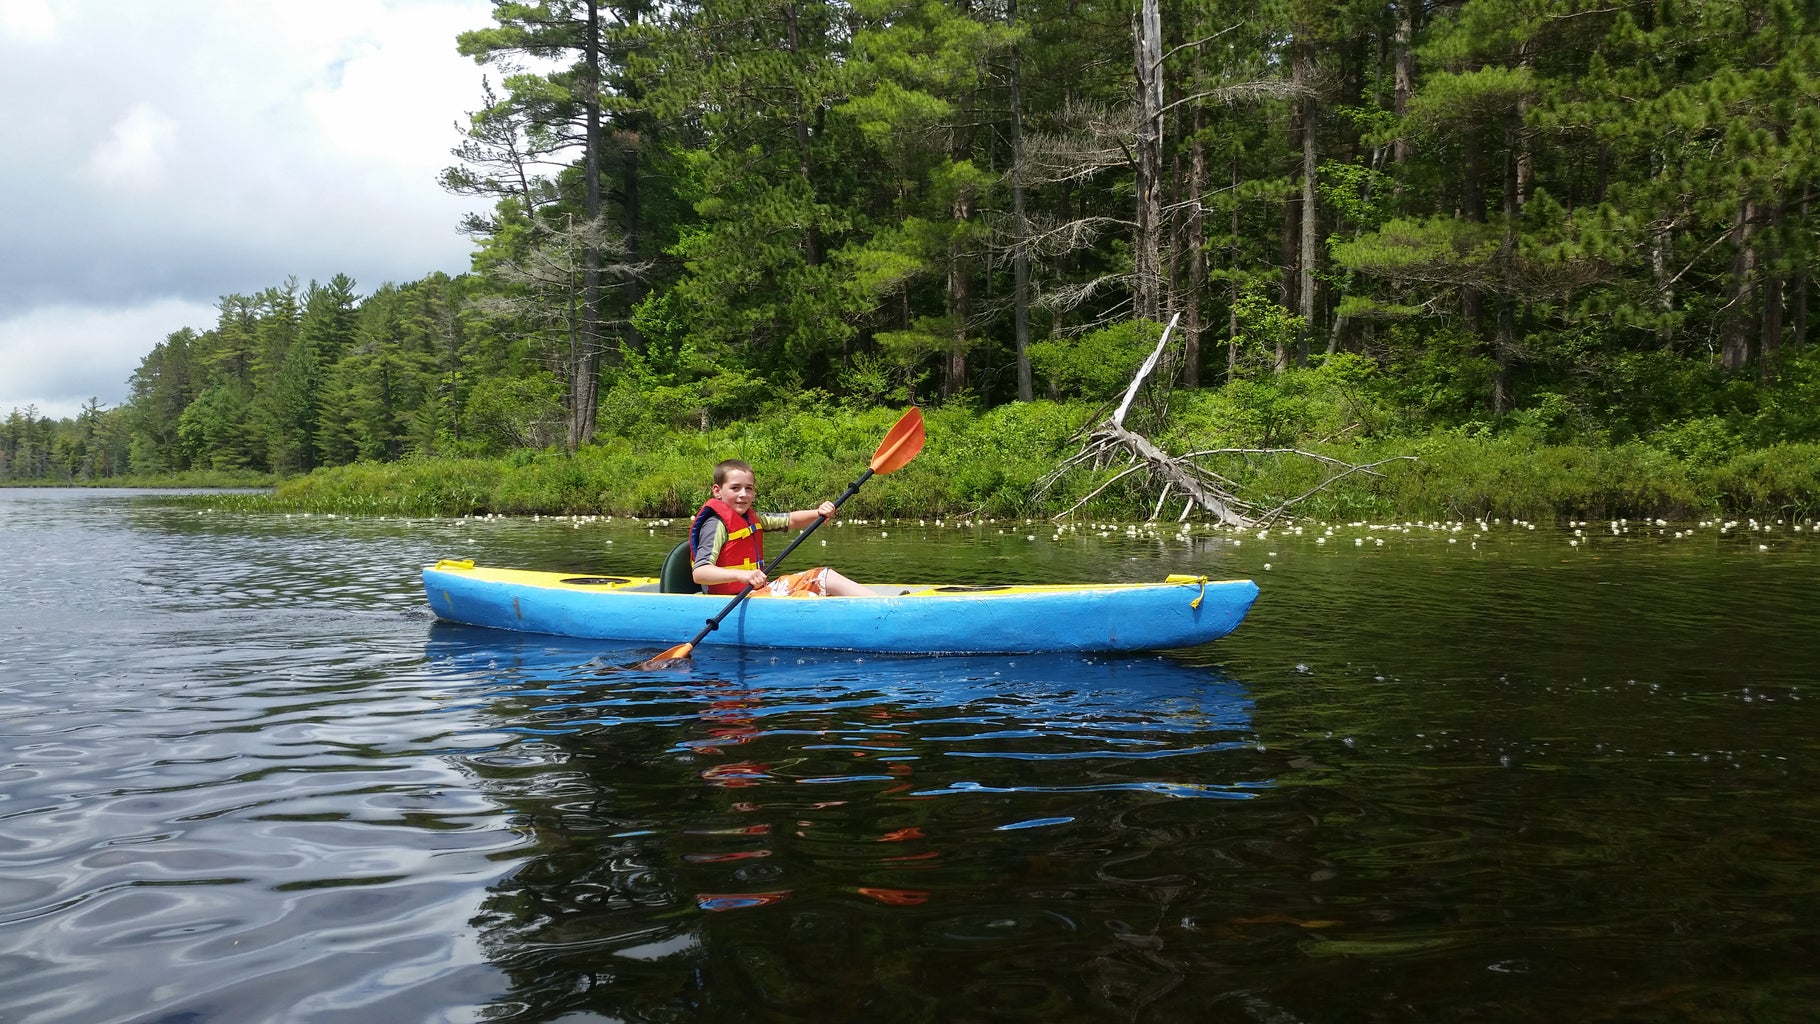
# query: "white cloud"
{"type": "Point", "coordinates": [189, 149]}
{"type": "Point", "coordinates": [135, 153]}
{"type": "Point", "coordinates": [28, 20]}
{"type": "Point", "coordinates": [59, 357]}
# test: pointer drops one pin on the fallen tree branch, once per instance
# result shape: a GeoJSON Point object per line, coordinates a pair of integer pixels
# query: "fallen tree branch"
{"type": "Point", "coordinates": [1120, 475]}
{"type": "Point", "coordinates": [1137, 381]}
{"type": "Point", "coordinates": [1323, 485]}
{"type": "Point", "coordinates": [1205, 488]}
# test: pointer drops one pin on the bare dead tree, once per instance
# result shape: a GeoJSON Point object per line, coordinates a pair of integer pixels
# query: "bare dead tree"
{"type": "Point", "coordinates": [504, 155]}
{"type": "Point", "coordinates": [1111, 442]}
{"type": "Point", "coordinates": [548, 286]}
{"type": "Point", "coordinates": [1093, 138]}
{"type": "Point", "coordinates": [1147, 162]}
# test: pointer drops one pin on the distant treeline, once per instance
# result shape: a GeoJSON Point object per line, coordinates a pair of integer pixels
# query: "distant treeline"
{"type": "Point", "coordinates": [1575, 225]}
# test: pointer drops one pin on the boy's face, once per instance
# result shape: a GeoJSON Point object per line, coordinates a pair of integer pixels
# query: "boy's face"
{"type": "Point", "coordinates": [738, 490]}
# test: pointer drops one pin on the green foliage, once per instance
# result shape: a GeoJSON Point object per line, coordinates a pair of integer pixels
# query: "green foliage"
{"type": "Point", "coordinates": [1097, 365]}
{"type": "Point", "coordinates": [1264, 329]}
{"type": "Point", "coordinates": [1578, 249]}
{"type": "Point", "coordinates": [1468, 475]}
{"type": "Point", "coordinates": [214, 427]}
{"type": "Point", "coordinates": [878, 379]}
{"type": "Point", "coordinates": [503, 413]}
{"type": "Point", "coordinates": [419, 487]}
{"type": "Point", "coordinates": [1551, 419]}
{"type": "Point", "coordinates": [1482, 96]}
{"type": "Point", "coordinates": [1360, 195]}
{"type": "Point", "coordinates": [1789, 405]}
{"type": "Point", "coordinates": [1340, 396]}
{"type": "Point", "coordinates": [1701, 442]}
{"type": "Point", "coordinates": [1434, 379]}
{"type": "Point", "coordinates": [1422, 251]}
{"type": "Point", "coordinates": [987, 463]}
{"type": "Point", "coordinates": [1782, 479]}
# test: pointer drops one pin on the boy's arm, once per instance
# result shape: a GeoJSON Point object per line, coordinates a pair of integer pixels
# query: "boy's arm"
{"type": "Point", "coordinates": [804, 516]}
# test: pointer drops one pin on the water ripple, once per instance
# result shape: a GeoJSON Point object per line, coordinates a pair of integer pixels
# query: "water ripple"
{"type": "Point", "coordinates": [243, 776]}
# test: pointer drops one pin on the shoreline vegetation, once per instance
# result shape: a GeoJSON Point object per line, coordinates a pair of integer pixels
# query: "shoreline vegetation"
{"type": "Point", "coordinates": [196, 479]}
{"type": "Point", "coordinates": [988, 464]}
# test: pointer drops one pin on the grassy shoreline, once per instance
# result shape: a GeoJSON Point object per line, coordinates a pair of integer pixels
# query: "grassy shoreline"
{"type": "Point", "coordinates": [189, 480]}
{"type": "Point", "coordinates": [988, 465]}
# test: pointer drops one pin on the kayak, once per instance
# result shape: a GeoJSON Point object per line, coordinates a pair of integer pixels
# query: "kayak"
{"type": "Point", "coordinates": [1181, 611]}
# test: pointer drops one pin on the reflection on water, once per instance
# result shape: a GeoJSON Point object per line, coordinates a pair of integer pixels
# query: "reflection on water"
{"type": "Point", "coordinates": [896, 812]}
{"type": "Point", "coordinates": [1479, 774]}
{"type": "Point", "coordinates": [1031, 707]}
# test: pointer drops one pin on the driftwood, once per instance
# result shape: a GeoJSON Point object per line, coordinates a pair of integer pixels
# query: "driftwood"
{"type": "Point", "coordinates": [1111, 442]}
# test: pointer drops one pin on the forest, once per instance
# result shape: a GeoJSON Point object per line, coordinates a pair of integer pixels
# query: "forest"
{"type": "Point", "coordinates": [1526, 222]}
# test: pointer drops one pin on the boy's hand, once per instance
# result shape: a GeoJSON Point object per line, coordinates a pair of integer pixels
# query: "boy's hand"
{"type": "Point", "coordinates": [755, 577]}
{"type": "Point", "coordinates": [825, 510]}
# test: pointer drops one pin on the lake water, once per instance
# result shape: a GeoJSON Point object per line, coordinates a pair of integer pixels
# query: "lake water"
{"type": "Point", "coordinates": [1494, 774]}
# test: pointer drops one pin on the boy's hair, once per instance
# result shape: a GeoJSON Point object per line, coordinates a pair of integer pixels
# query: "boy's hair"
{"type": "Point", "coordinates": [721, 469]}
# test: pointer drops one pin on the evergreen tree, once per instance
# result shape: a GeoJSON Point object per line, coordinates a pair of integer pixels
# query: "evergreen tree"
{"type": "Point", "coordinates": [160, 389]}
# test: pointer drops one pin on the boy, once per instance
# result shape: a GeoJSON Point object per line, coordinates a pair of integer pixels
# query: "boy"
{"type": "Point", "coordinates": [727, 541]}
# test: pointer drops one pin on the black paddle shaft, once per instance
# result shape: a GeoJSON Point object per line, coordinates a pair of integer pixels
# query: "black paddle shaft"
{"type": "Point", "coordinates": [771, 563]}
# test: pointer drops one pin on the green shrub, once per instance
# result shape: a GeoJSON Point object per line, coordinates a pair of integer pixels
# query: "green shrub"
{"type": "Point", "coordinates": [1339, 396]}
{"type": "Point", "coordinates": [1097, 365]}
{"type": "Point", "coordinates": [1780, 480]}
{"type": "Point", "coordinates": [1704, 441]}
{"type": "Point", "coordinates": [989, 463]}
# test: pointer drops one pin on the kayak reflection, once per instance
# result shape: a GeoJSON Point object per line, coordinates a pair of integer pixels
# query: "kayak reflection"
{"type": "Point", "coordinates": [1134, 707]}
{"type": "Point", "coordinates": [672, 817]}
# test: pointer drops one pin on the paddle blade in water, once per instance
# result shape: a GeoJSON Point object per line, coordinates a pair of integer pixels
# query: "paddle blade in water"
{"type": "Point", "coordinates": [666, 659]}
{"type": "Point", "coordinates": [900, 445]}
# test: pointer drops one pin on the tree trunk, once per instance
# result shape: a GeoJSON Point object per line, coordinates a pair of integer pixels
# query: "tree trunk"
{"type": "Point", "coordinates": [586, 390]}
{"type": "Point", "coordinates": [1309, 243]}
{"type": "Point", "coordinates": [960, 301]}
{"type": "Point", "coordinates": [1472, 207]}
{"type": "Point", "coordinates": [1147, 37]}
{"type": "Point", "coordinates": [1291, 259]}
{"type": "Point", "coordinates": [1472, 176]}
{"type": "Point", "coordinates": [630, 214]}
{"type": "Point", "coordinates": [1405, 72]}
{"type": "Point", "coordinates": [1661, 243]}
{"type": "Point", "coordinates": [1735, 346]}
{"type": "Point", "coordinates": [812, 243]}
{"type": "Point", "coordinates": [1770, 348]}
{"type": "Point", "coordinates": [1799, 300]}
{"type": "Point", "coordinates": [1173, 266]}
{"type": "Point", "coordinates": [1232, 285]}
{"type": "Point", "coordinates": [1504, 341]}
{"type": "Point", "coordinates": [1192, 326]}
{"type": "Point", "coordinates": [960, 261]}
{"type": "Point", "coordinates": [1020, 224]}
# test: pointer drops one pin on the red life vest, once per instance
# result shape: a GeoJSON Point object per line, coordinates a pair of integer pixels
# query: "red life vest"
{"type": "Point", "coordinates": [745, 546]}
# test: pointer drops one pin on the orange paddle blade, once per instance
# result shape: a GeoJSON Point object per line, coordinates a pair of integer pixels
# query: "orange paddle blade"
{"type": "Point", "coordinates": [660, 660]}
{"type": "Point", "coordinates": [900, 445]}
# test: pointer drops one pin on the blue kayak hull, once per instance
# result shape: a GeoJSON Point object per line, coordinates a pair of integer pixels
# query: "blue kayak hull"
{"type": "Point", "coordinates": [1180, 612]}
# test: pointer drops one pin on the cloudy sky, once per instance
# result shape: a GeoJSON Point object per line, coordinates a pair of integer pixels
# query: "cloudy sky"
{"type": "Point", "coordinates": [164, 153]}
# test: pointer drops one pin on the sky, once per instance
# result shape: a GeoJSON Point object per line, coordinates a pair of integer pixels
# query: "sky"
{"type": "Point", "coordinates": [164, 153]}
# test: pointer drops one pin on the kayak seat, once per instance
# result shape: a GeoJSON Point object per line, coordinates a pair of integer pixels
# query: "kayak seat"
{"type": "Point", "coordinates": [676, 577]}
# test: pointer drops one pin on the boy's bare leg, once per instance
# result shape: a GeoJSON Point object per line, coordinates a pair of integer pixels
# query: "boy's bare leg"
{"type": "Point", "coordinates": [840, 586]}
